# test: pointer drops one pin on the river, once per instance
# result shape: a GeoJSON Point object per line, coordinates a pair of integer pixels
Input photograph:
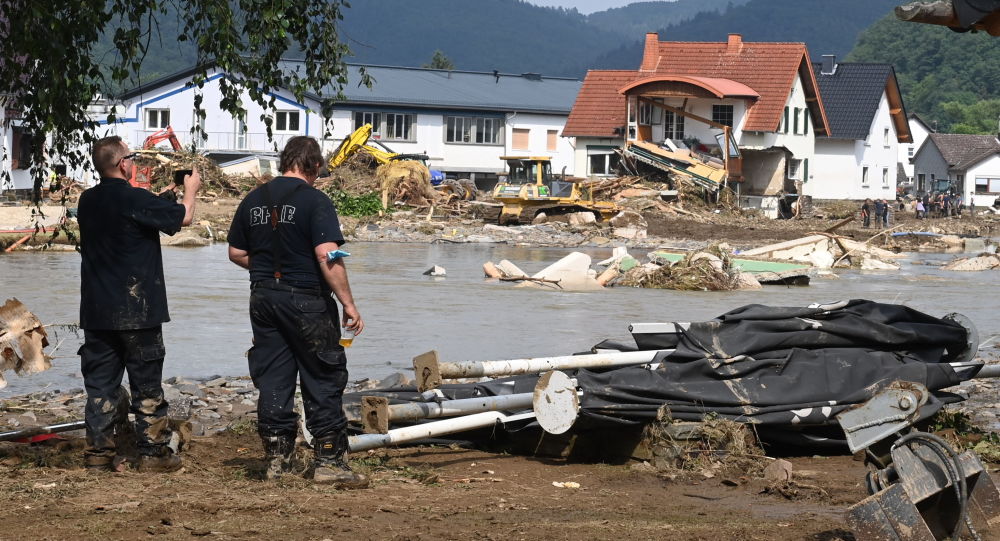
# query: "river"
{"type": "Point", "coordinates": [462, 316]}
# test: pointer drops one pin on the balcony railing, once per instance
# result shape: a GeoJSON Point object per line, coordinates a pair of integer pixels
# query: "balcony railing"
{"type": "Point", "coordinates": [224, 141]}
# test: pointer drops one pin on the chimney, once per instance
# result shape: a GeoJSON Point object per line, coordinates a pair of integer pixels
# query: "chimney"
{"type": "Point", "coordinates": [829, 64]}
{"type": "Point", "coordinates": [651, 53]}
{"type": "Point", "coordinates": [735, 44]}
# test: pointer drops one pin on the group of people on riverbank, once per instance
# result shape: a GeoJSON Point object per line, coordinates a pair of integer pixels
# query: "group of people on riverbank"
{"type": "Point", "coordinates": [288, 235]}
{"type": "Point", "coordinates": [879, 209]}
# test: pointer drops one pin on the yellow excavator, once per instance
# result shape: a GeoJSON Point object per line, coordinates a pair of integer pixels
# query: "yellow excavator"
{"type": "Point", "coordinates": [530, 188]}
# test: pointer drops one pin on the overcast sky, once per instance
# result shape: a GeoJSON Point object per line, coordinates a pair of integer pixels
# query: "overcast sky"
{"type": "Point", "coordinates": [584, 6]}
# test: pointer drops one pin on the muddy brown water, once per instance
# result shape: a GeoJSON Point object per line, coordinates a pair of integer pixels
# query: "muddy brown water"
{"type": "Point", "coordinates": [462, 316]}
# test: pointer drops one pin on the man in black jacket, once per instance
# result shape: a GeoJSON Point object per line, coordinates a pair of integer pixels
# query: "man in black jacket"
{"type": "Point", "coordinates": [123, 303]}
{"type": "Point", "coordinates": [283, 232]}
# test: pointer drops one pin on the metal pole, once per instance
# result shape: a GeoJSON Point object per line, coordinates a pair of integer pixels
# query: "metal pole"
{"type": "Point", "coordinates": [364, 442]}
{"type": "Point", "coordinates": [377, 413]}
{"type": "Point", "coordinates": [430, 371]}
{"type": "Point", "coordinates": [39, 430]}
{"type": "Point", "coordinates": [988, 370]}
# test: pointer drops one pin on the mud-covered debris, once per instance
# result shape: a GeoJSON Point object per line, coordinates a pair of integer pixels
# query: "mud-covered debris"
{"type": "Point", "coordinates": [22, 341]}
{"type": "Point", "coordinates": [972, 264]}
{"type": "Point", "coordinates": [708, 270]}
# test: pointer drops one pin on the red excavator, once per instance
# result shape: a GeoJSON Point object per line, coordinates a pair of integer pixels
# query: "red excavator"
{"type": "Point", "coordinates": [141, 175]}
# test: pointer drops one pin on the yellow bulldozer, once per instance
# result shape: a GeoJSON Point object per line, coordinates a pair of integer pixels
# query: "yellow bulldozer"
{"type": "Point", "coordinates": [530, 188]}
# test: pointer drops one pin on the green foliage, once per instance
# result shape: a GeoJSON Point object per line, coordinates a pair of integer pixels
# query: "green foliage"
{"type": "Point", "coordinates": [358, 206]}
{"type": "Point", "coordinates": [440, 62]}
{"type": "Point", "coordinates": [950, 79]}
{"type": "Point", "coordinates": [637, 18]}
{"type": "Point", "coordinates": [53, 63]}
{"type": "Point", "coordinates": [961, 432]}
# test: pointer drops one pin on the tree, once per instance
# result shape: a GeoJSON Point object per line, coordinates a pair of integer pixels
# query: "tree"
{"type": "Point", "coordinates": [440, 62]}
{"type": "Point", "coordinates": [51, 67]}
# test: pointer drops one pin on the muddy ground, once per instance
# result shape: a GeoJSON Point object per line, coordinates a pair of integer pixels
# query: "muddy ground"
{"type": "Point", "coordinates": [418, 493]}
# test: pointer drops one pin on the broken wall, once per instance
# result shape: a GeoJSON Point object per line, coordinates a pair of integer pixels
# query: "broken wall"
{"type": "Point", "coordinates": [763, 172]}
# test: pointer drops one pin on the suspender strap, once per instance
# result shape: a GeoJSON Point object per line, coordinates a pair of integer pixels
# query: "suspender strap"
{"type": "Point", "coordinates": [277, 245]}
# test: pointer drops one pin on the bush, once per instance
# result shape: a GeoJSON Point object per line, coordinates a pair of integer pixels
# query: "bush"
{"type": "Point", "coordinates": [359, 206]}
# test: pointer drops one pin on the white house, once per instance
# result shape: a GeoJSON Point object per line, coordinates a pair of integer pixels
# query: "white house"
{"type": "Point", "coordinates": [464, 121]}
{"type": "Point", "coordinates": [919, 130]}
{"type": "Point", "coordinates": [963, 163]}
{"type": "Point", "coordinates": [763, 94]}
{"type": "Point", "coordinates": [15, 149]}
{"type": "Point", "coordinates": [868, 125]}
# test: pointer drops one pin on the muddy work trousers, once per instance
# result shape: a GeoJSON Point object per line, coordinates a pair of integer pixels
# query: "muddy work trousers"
{"type": "Point", "coordinates": [296, 333]}
{"type": "Point", "coordinates": [105, 357]}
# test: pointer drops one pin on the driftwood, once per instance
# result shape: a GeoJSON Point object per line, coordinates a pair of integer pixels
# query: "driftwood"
{"type": "Point", "coordinates": [22, 341]}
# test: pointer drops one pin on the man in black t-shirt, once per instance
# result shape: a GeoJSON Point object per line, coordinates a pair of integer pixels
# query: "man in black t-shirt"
{"type": "Point", "coordinates": [123, 303]}
{"type": "Point", "coordinates": [282, 232]}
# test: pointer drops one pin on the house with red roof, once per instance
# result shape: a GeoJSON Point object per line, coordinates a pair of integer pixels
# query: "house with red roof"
{"type": "Point", "coordinates": [750, 110]}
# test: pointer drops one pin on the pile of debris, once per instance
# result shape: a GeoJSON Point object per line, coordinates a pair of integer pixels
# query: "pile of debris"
{"type": "Point", "coordinates": [215, 183]}
{"type": "Point", "coordinates": [710, 269]}
{"type": "Point", "coordinates": [22, 341]}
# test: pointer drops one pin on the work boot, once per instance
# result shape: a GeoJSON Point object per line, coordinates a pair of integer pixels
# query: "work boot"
{"type": "Point", "coordinates": [279, 452]}
{"type": "Point", "coordinates": [331, 463]}
{"type": "Point", "coordinates": [99, 461]}
{"type": "Point", "coordinates": [163, 461]}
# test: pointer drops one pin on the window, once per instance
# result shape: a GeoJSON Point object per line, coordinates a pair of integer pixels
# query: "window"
{"type": "Point", "coordinates": [398, 127]}
{"type": "Point", "coordinates": [805, 122]}
{"type": "Point", "coordinates": [157, 118]}
{"type": "Point", "coordinates": [552, 140]}
{"type": "Point", "coordinates": [987, 185]}
{"type": "Point", "coordinates": [885, 137]}
{"type": "Point", "coordinates": [921, 181]}
{"type": "Point", "coordinates": [286, 121]}
{"type": "Point", "coordinates": [474, 130]}
{"type": "Point", "coordinates": [885, 177]}
{"type": "Point", "coordinates": [520, 139]}
{"type": "Point", "coordinates": [864, 177]}
{"type": "Point", "coordinates": [241, 134]}
{"type": "Point", "coordinates": [793, 169]}
{"type": "Point", "coordinates": [723, 114]}
{"type": "Point", "coordinates": [673, 125]}
{"type": "Point", "coordinates": [649, 114]}
{"type": "Point", "coordinates": [909, 152]}
{"type": "Point", "coordinates": [21, 148]}
{"type": "Point", "coordinates": [795, 121]}
{"type": "Point", "coordinates": [367, 117]}
{"type": "Point", "coordinates": [602, 163]}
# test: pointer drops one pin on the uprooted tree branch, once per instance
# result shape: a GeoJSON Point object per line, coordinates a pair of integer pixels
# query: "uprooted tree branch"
{"type": "Point", "coordinates": [59, 57]}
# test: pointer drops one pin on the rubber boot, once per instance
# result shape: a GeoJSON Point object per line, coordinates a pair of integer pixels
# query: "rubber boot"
{"type": "Point", "coordinates": [278, 452]}
{"type": "Point", "coordinates": [162, 461]}
{"type": "Point", "coordinates": [331, 463]}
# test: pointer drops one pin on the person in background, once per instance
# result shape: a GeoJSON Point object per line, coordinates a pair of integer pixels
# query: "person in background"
{"type": "Point", "coordinates": [920, 209]}
{"type": "Point", "coordinates": [123, 304]}
{"type": "Point", "coordinates": [866, 213]}
{"type": "Point", "coordinates": [880, 209]}
{"type": "Point", "coordinates": [282, 233]}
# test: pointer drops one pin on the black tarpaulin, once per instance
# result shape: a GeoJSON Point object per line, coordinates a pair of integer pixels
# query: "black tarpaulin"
{"type": "Point", "coordinates": [781, 367]}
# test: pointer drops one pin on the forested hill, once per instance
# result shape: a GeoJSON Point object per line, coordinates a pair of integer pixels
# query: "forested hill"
{"type": "Point", "coordinates": [640, 17]}
{"type": "Point", "coordinates": [826, 27]}
{"type": "Point", "coordinates": [951, 80]}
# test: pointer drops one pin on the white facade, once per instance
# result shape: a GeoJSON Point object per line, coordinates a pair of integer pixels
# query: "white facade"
{"type": "Point", "coordinates": [985, 173]}
{"type": "Point", "coordinates": [854, 169]}
{"type": "Point", "coordinates": [919, 132]}
{"type": "Point", "coordinates": [426, 131]}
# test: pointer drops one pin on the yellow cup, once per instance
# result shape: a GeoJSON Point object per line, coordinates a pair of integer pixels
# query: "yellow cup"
{"type": "Point", "coordinates": [346, 337]}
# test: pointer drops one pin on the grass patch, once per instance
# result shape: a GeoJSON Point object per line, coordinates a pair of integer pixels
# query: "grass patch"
{"type": "Point", "coordinates": [242, 427]}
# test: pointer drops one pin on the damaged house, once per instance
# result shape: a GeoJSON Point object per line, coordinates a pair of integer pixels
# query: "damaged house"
{"type": "Point", "coordinates": [689, 101]}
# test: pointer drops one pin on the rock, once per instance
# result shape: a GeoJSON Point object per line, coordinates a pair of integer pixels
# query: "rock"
{"type": "Point", "coordinates": [600, 240]}
{"type": "Point", "coordinates": [395, 380]}
{"type": "Point", "coordinates": [190, 389]}
{"type": "Point", "coordinates": [491, 271]}
{"type": "Point", "coordinates": [581, 218]}
{"type": "Point", "coordinates": [637, 192]}
{"type": "Point", "coordinates": [215, 382]}
{"type": "Point", "coordinates": [171, 394]}
{"type": "Point", "coordinates": [951, 240]}
{"type": "Point", "coordinates": [540, 218]}
{"type": "Point", "coordinates": [509, 269]}
{"type": "Point", "coordinates": [779, 471]}
{"type": "Point", "coordinates": [821, 259]}
{"type": "Point", "coordinates": [629, 218]}
{"type": "Point", "coordinates": [239, 384]}
{"type": "Point", "coordinates": [630, 233]}
{"type": "Point", "coordinates": [435, 271]}
{"type": "Point", "coordinates": [747, 280]}
{"type": "Point", "coordinates": [972, 264]}
{"type": "Point", "coordinates": [573, 273]}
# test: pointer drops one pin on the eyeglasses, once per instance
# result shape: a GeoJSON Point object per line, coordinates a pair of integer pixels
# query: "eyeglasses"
{"type": "Point", "coordinates": [129, 156]}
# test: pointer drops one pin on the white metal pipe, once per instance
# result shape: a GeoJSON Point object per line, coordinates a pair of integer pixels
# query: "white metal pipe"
{"type": "Point", "coordinates": [476, 369]}
{"type": "Point", "coordinates": [450, 408]}
{"type": "Point", "coordinates": [364, 442]}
